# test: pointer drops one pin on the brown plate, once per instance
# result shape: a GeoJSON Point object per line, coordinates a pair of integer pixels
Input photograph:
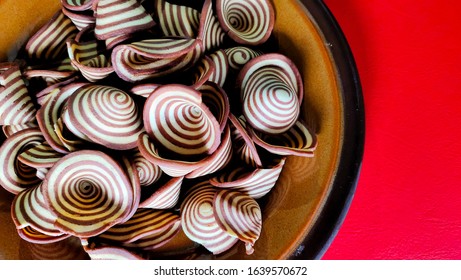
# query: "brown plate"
{"type": "Point", "coordinates": [306, 208]}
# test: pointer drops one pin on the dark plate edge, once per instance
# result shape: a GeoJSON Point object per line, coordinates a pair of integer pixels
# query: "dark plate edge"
{"type": "Point", "coordinates": [335, 208]}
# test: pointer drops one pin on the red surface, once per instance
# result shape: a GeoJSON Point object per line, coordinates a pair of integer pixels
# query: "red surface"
{"type": "Point", "coordinates": [408, 200]}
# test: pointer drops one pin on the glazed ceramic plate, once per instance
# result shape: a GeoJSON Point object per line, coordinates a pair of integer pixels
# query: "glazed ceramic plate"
{"type": "Point", "coordinates": [307, 206]}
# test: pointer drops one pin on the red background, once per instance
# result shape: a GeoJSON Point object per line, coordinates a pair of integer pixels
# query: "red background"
{"type": "Point", "coordinates": [408, 199]}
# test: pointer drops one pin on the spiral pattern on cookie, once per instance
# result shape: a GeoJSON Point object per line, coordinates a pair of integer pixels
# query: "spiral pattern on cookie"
{"type": "Point", "coordinates": [88, 192]}
{"type": "Point", "coordinates": [166, 196]}
{"type": "Point", "coordinates": [16, 106]}
{"type": "Point", "coordinates": [210, 32]}
{"type": "Point", "coordinates": [247, 22]}
{"type": "Point", "coordinates": [271, 93]}
{"type": "Point", "coordinates": [130, 170]}
{"type": "Point", "coordinates": [49, 43]}
{"type": "Point", "coordinates": [16, 176]}
{"type": "Point", "coordinates": [143, 223]}
{"type": "Point", "coordinates": [34, 236]}
{"type": "Point", "coordinates": [29, 209]}
{"type": "Point", "coordinates": [177, 119]}
{"type": "Point", "coordinates": [49, 76]}
{"type": "Point", "coordinates": [170, 166]}
{"type": "Point", "coordinates": [199, 223]}
{"type": "Point", "coordinates": [177, 20]}
{"type": "Point", "coordinates": [86, 58]}
{"type": "Point", "coordinates": [279, 67]}
{"type": "Point", "coordinates": [216, 99]}
{"type": "Point", "coordinates": [40, 156]}
{"type": "Point", "coordinates": [77, 5]}
{"type": "Point", "coordinates": [117, 40]}
{"type": "Point", "coordinates": [239, 215]}
{"type": "Point", "coordinates": [155, 58]}
{"type": "Point", "coordinates": [238, 56]}
{"type": "Point", "coordinates": [255, 183]}
{"type": "Point", "coordinates": [156, 239]}
{"type": "Point", "coordinates": [96, 69]}
{"type": "Point", "coordinates": [202, 71]}
{"type": "Point", "coordinates": [50, 112]}
{"type": "Point", "coordinates": [58, 73]}
{"type": "Point", "coordinates": [218, 160]}
{"type": "Point", "coordinates": [298, 141]}
{"type": "Point", "coordinates": [221, 63]}
{"type": "Point", "coordinates": [148, 172]}
{"type": "Point", "coordinates": [244, 146]}
{"type": "Point", "coordinates": [106, 115]}
{"type": "Point", "coordinates": [270, 106]}
{"type": "Point", "coordinates": [80, 20]}
{"type": "Point", "coordinates": [43, 95]}
{"type": "Point", "coordinates": [144, 90]}
{"type": "Point", "coordinates": [9, 130]}
{"type": "Point", "coordinates": [51, 72]}
{"type": "Point", "coordinates": [119, 17]}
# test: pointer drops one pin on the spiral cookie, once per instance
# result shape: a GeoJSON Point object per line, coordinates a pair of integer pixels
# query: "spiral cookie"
{"type": "Point", "coordinates": [16, 176]}
{"type": "Point", "coordinates": [201, 71]}
{"type": "Point", "coordinates": [144, 90]}
{"type": "Point", "coordinates": [49, 43]}
{"type": "Point", "coordinates": [88, 192]}
{"type": "Point", "coordinates": [80, 20]}
{"type": "Point", "coordinates": [105, 115]}
{"type": "Point", "coordinates": [244, 146]}
{"type": "Point", "coordinates": [49, 76]}
{"type": "Point", "coordinates": [170, 166]}
{"type": "Point", "coordinates": [130, 170]}
{"type": "Point", "coordinates": [77, 5]}
{"type": "Point", "coordinates": [215, 98]}
{"type": "Point", "coordinates": [147, 171]}
{"type": "Point", "coordinates": [156, 239]}
{"type": "Point", "coordinates": [246, 22]}
{"type": "Point", "coordinates": [199, 220]}
{"type": "Point", "coordinates": [119, 17]}
{"type": "Point", "coordinates": [9, 130]}
{"type": "Point", "coordinates": [16, 106]}
{"type": "Point", "coordinates": [143, 223]}
{"type": "Point", "coordinates": [30, 210]}
{"type": "Point", "coordinates": [298, 141]}
{"type": "Point", "coordinates": [177, 20]}
{"type": "Point", "coordinates": [115, 41]}
{"type": "Point", "coordinates": [49, 114]}
{"type": "Point", "coordinates": [51, 73]}
{"type": "Point", "coordinates": [34, 236]}
{"type": "Point", "coordinates": [210, 31]}
{"type": "Point", "coordinates": [271, 92]}
{"type": "Point", "coordinates": [43, 95]}
{"type": "Point", "coordinates": [218, 160]}
{"type": "Point", "coordinates": [40, 156]}
{"type": "Point", "coordinates": [88, 60]}
{"type": "Point", "coordinates": [239, 215]}
{"type": "Point", "coordinates": [155, 58]}
{"type": "Point", "coordinates": [176, 118]}
{"type": "Point", "coordinates": [238, 56]}
{"type": "Point", "coordinates": [255, 183]}
{"type": "Point", "coordinates": [221, 62]}
{"type": "Point", "coordinates": [164, 197]}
